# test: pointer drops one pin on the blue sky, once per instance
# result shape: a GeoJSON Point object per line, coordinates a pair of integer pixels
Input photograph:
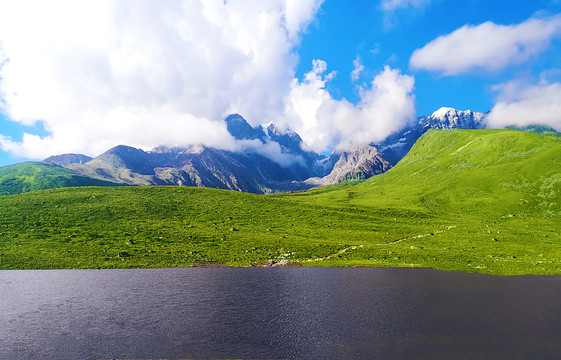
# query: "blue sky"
{"type": "Point", "coordinates": [84, 77]}
{"type": "Point", "coordinates": [343, 32]}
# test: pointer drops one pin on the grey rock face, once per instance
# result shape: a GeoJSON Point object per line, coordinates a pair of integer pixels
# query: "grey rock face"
{"type": "Point", "coordinates": [360, 162]}
{"type": "Point", "coordinates": [241, 130]}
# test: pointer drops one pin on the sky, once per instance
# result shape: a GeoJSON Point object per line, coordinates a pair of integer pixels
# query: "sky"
{"type": "Point", "coordinates": [84, 76]}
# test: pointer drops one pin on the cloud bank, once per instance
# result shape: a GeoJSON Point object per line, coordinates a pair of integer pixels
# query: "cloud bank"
{"type": "Point", "coordinates": [325, 123]}
{"type": "Point", "coordinates": [521, 105]}
{"type": "Point", "coordinates": [99, 73]}
{"type": "Point", "coordinates": [488, 47]}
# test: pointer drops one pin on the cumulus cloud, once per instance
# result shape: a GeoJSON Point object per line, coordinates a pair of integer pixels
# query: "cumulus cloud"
{"type": "Point", "coordinates": [325, 123]}
{"type": "Point", "coordinates": [527, 105]}
{"type": "Point", "coordinates": [488, 46]}
{"type": "Point", "coordinates": [99, 73]}
{"type": "Point", "coordinates": [391, 5]}
{"type": "Point", "coordinates": [299, 14]}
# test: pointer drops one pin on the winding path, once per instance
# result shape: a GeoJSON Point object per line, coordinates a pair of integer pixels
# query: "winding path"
{"type": "Point", "coordinates": [354, 247]}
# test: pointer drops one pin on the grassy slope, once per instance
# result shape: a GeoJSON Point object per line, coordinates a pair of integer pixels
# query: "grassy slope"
{"type": "Point", "coordinates": [538, 129]}
{"type": "Point", "coordinates": [497, 192]}
{"type": "Point", "coordinates": [32, 176]}
{"type": "Point", "coordinates": [469, 200]}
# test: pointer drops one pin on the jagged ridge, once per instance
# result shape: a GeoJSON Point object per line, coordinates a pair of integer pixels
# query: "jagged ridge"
{"type": "Point", "coordinates": [251, 169]}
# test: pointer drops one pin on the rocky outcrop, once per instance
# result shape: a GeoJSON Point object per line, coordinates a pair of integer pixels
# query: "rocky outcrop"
{"type": "Point", "coordinates": [359, 163]}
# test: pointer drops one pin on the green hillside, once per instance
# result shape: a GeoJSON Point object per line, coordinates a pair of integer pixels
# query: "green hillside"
{"type": "Point", "coordinates": [468, 200]}
{"type": "Point", "coordinates": [538, 129]}
{"type": "Point", "coordinates": [31, 176]}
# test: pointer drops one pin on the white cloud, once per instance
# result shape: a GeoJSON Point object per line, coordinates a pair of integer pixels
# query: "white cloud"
{"type": "Point", "coordinates": [391, 5]}
{"type": "Point", "coordinates": [135, 126]}
{"type": "Point", "coordinates": [99, 73]}
{"type": "Point", "coordinates": [357, 70]}
{"type": "Point", "coordinates": [271, 150]}
{"type": "Point", "coordinates": [104, 72]}
{"type": "Point", "coordinates": [325, 123]}
{"type": "Point", "coordinates": [299, 14]}
{"type": "Point", "coordinates": [488, 46]}
{"type": "Point", "coordinates": [521, 105]}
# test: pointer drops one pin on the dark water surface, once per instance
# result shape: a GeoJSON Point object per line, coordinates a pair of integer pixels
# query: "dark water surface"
{"type": "Point", "coordinates": [276, 313]}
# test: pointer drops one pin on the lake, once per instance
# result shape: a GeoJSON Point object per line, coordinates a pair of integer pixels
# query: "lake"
{"type": "Point", "coordinates": [277, 313]}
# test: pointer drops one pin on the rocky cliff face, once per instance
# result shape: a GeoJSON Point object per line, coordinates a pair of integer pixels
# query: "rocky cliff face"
{"type": "Point", "coordinates": [360, 162]}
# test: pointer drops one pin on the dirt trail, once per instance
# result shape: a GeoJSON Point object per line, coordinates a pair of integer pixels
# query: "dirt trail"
{"type": "Point", "coordinates": [418, 236]}
{"type": "Point", "coordinates": [354, 247]}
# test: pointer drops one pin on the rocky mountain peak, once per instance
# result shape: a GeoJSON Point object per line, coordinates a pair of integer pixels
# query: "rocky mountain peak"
{"type": "Point", "coordinates": [240, 129]}
{"type": "Point", "coordinates": [444, 112]}
{"type": "Point", "coordinates": [122, 156]}
{"type": "Point", "coordinates": [450, 118]}
{"type": "Point", "coordinates": [273, 130]}
{"type": "Point", "coordinates": [67, 159]}
{"type": "Point", "coordinates": [288, 139]}
{"type": "Point", "coordinates": [196, 149]}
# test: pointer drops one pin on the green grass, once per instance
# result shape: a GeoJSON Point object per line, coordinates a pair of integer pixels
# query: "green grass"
{"type": "Point", "coordinates": [485, 201]}
{"type": "Point", "coordinates": [538, 129]}
{"type": "Point", "coordinates": [32, 176]}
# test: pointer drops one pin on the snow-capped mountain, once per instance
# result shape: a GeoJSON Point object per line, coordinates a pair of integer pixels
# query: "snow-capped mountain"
{"type": "Point", "coordinates": [449, 118]}
{"type": "Point", "coordinates": [397, 145]}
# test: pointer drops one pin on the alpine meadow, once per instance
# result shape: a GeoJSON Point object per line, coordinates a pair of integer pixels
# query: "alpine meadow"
{"type": "Point", "coordinates": [482, 201]}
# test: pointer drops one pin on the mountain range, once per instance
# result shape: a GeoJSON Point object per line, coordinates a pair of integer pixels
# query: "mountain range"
{"type": "Point", "coordinates": [272, 160]}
